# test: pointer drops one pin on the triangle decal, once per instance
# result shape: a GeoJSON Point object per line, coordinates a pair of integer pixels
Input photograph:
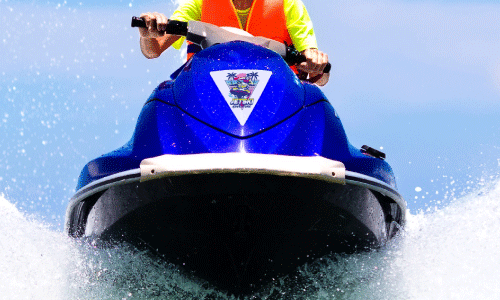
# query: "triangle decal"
{"type": "Point", "coordinates": [241, 89]}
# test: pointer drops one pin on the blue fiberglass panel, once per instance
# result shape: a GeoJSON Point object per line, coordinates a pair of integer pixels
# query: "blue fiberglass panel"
{"type": "Point", "coordinates": [319, 131]}
{"type": "Point", "coordinates": [164, 129]}
{"type": "Point", "coordinates": [196, 92]}
{"type": "Point", "coordinates": [312, 93]}
{"type": "Point", "coordinates": [160, 129]}
{"type": "Point", "coordinates": [164, 92]}
{"type": "Point", "coordinates": [291, 118]}
{"type": "Point", "coordinates": [114, 162]}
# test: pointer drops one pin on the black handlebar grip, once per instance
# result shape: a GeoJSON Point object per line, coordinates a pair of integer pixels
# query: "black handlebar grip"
{"type": "Point", "coordinates": [302, 58]}
{"type": "Point", "coordinates": [173, 26]}
{"type": "Point", "coordinates": [138, 22]}
{"type": "Point", "coordinates": [327, 68]}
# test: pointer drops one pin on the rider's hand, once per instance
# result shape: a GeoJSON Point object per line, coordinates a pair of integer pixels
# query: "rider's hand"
{"type": "Point", "coordinates": [315, 61]}
{"type": "Point", "coordinates": [156, 23]}
{"type": "Point", "coordinates": [314, 65]}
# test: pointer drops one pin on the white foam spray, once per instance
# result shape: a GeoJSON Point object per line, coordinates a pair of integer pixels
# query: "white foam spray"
{"type": "Point", "coordinates": [449, 253]}
{"type": "Point", "coordinates": [34, 260]}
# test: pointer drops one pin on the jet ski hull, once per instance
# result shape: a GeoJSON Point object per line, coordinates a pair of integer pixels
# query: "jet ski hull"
{"type": "Point", "coordinates": [239, 227]}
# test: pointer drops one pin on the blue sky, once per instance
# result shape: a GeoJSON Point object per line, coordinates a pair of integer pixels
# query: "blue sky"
{"type": "Point", "coordinates": [420, 79]}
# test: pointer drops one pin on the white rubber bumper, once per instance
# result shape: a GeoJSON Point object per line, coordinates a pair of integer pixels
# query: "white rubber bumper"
{"type": "Point", "coordinates": [301, 166]}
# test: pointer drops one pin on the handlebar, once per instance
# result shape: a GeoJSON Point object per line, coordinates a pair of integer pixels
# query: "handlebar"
{"type": "Point", "coordinates": [200, 37]}
{"type": "Point", "coordinates": [173, 26]}
{"type": "Point", "coordinates": [138, 22]}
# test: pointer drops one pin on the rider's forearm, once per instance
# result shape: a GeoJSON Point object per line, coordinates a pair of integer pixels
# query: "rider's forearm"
{"type": "Point", "coordinates": [150, 47]}
{"type": "Point", "coordinates": [153, 47]}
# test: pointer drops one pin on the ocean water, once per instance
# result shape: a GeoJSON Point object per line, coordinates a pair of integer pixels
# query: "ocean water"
{"type": "Point", "coordinates": [73, 81]}
{"type": "Point", "coordinates": [443, 253]}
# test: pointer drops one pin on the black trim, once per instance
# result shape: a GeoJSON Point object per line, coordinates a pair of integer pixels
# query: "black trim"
{"type": "Point", "coordinates": [316, 102]}
{"type": "Point", "coordinates": [372, 152]}
{"type": "Point", "coordinates": [85, 190]}
{"type": "Point", "coordinates": [78, 219]}
{"type": "Point", "coordinates": [348, 177]}
{"type": "Point", "coordinates": [138, 175]}
{"type": "Point", "coordinates": [237, 136]}
{"type": "Point", "coordinates": [156, 99]}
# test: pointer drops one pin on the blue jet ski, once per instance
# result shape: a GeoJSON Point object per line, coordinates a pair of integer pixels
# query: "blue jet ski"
{"type": "Point", "coordinates": [238, 171]}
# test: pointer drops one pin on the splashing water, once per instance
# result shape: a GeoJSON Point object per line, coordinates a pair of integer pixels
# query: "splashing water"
{"type": "Point", "coordinates": [450, 253]}
{"type": "Point", "coordinates": [34, 260]}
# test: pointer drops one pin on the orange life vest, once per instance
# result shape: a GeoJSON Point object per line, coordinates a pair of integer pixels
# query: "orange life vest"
{"type": "Point", "coordinates": [266, 18]}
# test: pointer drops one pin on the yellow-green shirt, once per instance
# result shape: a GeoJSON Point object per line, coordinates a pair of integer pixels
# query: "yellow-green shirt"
{"type": "Point", "coordinates": [298, 22]}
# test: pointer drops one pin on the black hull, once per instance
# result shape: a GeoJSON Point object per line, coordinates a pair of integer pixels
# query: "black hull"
{"type": "Point", "coordinates": [239, 231]}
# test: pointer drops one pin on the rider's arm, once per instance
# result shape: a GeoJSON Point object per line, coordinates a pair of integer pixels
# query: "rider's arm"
{"type": "Point", "coordinates": [299, 25]}
{"type": "Point", "coordinates": [301, 31]}
{"type": "Point", "coordinates": [153, 41]}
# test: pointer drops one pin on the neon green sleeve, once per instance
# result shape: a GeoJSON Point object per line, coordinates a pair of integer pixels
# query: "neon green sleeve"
{"type": "Point", "coordinates": [188, 10]}
{"type": "Point", "coordinates": [299, 25]}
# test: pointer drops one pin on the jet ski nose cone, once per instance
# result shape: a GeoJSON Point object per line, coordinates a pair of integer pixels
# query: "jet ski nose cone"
{"type": "Point", "coordinates": [226, 96]}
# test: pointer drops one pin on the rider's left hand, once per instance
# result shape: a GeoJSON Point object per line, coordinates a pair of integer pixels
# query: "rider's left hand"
{"type": "Point", "coordinates": [316, 61]}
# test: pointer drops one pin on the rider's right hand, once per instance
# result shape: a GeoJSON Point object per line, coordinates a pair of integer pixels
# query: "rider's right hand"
{"type": "Point", "coordinates": [156, 23]}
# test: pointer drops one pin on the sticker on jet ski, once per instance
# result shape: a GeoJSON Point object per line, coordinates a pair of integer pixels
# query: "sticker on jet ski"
{"type": "Point", "coordinates": [241, 89]}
